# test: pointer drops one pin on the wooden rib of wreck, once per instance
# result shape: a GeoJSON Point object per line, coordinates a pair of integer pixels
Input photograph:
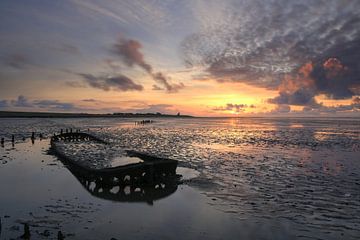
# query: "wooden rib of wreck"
{"type": "Point", "coordinates": [115, 191]}
{"type": "Point", "coordinates": [153, 169]}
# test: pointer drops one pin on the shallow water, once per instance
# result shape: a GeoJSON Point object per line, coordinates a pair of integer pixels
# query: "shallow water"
{"type": "Point", "coordinates": [255, 177]}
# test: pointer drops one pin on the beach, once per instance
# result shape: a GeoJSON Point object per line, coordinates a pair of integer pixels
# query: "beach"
{"type": "Point", "coordinates": [243, 178]}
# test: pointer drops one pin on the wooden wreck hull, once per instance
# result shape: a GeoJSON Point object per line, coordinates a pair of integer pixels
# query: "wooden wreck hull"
{"type": "Point", "coordinates": [147, 172]}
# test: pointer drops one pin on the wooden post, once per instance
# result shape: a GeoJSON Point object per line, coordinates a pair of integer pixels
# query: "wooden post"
{"type": "Point", "coordinates": [60, 236]}
{"type": "Point", "coordinates": [26, 234]}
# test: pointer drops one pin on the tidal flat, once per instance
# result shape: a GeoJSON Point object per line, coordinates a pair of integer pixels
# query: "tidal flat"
{"type": "Point", "coordinates": [243, 178]}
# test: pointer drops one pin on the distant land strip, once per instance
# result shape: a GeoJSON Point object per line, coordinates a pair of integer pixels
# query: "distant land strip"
{"type": "Point", "coordinates": [10, 114]}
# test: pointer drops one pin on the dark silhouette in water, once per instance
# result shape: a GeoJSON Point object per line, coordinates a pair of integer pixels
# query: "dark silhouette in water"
{"type": "Point", "coordinates": [143, 122]}
{"type": "Point", "coordinates": [152, 179]}
{"type": "Point", "coordinates": [60, 236]}
{"type": "Point", "coordinates": [13, 140]}
{"type": "Point", "coordinates": [2, 142]}
{"type": "Point", "coordinates": [126, 191]}
{"type": "Point", "coordinates": [26, 234]}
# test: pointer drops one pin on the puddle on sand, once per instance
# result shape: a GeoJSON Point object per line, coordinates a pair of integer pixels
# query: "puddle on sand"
{"type": "Point", "coordinates": [187, 173]}
{"type": "Point", "coordinates": [124, 160]}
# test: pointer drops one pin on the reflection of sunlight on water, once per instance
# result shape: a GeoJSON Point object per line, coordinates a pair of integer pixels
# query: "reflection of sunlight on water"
{"type": "Point", "coordinates": [239, 123]}
{"type": "Point", "coordinates": [217, 147]}
{"type": "Point", "coordinates": [296, 125]}
{"type": "Point", "coordinates": [322, 135]}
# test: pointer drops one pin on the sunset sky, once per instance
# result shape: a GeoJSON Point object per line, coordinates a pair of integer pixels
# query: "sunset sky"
{"type": "Point", "coordinates": [198, 57]}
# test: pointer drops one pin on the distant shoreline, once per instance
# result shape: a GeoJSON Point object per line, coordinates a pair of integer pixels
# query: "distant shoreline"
{"type": "Point", "coordinates": [10, 114]}
{"type": "Point", "coordinates": [13, 114]}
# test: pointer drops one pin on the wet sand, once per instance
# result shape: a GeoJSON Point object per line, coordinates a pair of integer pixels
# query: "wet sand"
{"type": "Point", "coordinates": [246, 179]}
{"type": "Point", "coordinates": [37, 189]}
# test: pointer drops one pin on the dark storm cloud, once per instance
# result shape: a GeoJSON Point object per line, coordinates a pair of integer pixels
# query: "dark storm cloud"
{"type": "Point", "coordinates": [265, 42]}
{"type": "Point", "coordinates": [339, 76]}
{"type": "Point", "coordinates": [299, 97]}
{"type": "Point", "coordinates": [353, 107]}
{"type": "Point", "coordinates": [129, 51]}
{"type": "Point", "coordinates": [120, 82]}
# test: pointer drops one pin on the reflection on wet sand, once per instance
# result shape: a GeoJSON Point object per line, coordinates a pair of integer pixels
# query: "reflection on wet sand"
{"type": "Point", "coordinates": [150, 178]}
{"type": "Point", "coordinates": [122, 192]}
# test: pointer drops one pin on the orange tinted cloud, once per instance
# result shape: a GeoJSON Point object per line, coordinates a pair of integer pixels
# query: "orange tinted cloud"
{"type": "Point", "coordinates": [334, 68]}
{"type": "Point", "coordinates": [292, 83]}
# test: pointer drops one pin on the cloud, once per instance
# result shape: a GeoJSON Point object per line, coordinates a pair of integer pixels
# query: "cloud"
{"type": "Point", "coordinates": [356, 101]}
{"type": "Point", "coordinates": [24, 102]}
{"type": "Point", "coordinates": [156, 88]}
{"type": "Point", "coordinates": [299, 97]}
{"type": "Point", "coordinates": [281, 109]}
{"type": "Point", "coordinates": [17, 61]}
{"type": "Point", "coordinates": [67, 48]}
{"type": "Point", "coordinates": [21, 101]}
{"type": "Point", "coordinates": [154, 108]}
{"type": "Point", "coordinates": [119, 82]}
{"type": "Point", "coordinates": [99, 10]}
{"type": "Point", "coordinates": [233, 107]}
{"type": "Point", "coordinates": [354, 106]}
{"type": "Point", "coordinates": [330, 78]}
{"type": "Point", "coordinates": [53, 104]}
{"type": "Point", "coordinates": [4, 103]}
{"type": "Point", "coordinates": [74, 84]}
{"type": "Point", "coordinates": [265, 43]}
{"type": "Point", "coordinates": [339, 78]}
{"type": "Point", "coordinates": [171, 88]}
{"type": "Point", "coordinates": [129, 52]}
{"type": "Point", "coordinates": [89, 100]}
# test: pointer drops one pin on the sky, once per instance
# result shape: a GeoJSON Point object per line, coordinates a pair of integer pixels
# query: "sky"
{"type": "Point", "coordinates": [197, 57]}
